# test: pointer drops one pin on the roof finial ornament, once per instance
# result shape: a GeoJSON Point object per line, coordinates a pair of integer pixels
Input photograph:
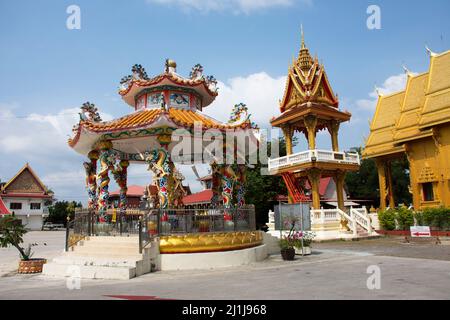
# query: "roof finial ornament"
{"type": "Point", "coordinates": [378, 91]}
{"type": "Point", "coordinates": [303, 37]}
{"type": "Point", "coordinates": [430, 53]}
{"type": "Point", "coordinates": [407, 71]}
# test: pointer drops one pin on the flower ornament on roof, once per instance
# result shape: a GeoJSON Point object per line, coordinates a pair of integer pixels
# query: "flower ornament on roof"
{"type": "Point", "coordinates": [196, 72]}
{"type": "Point", "coordinates": [239, 114]}
{"type": "Point", "coordinates": [89, 112]}
{"type": "Point", "coordinates": [211, 81]}
{"type": "Point", "coordinates": [138, 73]}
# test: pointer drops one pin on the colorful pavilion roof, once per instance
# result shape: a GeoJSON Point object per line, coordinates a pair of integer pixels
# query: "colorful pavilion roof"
{"type": "Point", "coordinates": [148, 118]}
{"type": "Point", "coordinates": [133, 84]}
{"type": "Point", "coordinates": [410, 114]}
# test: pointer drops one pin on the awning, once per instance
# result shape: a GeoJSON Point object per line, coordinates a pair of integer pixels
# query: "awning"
{"type": "Point", "coordinates": [346, 203]}
{"type": "Point", "coordinates": [3, 209]}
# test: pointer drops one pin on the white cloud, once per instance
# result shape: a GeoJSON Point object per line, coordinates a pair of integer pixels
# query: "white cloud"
{"type": "Point", "coordinates": [392, 84]}
{"type": "Point", "coordinates": [234, 6]}
{"type": "Point", "coordinates": [260, 92]}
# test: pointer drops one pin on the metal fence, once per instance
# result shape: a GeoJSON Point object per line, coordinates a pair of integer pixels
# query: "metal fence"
{"type": "Point", "coordinates": [151, 223]}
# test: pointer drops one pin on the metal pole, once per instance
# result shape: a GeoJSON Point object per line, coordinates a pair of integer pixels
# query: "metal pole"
{"type": "Point", "coordinates": [140, 234]}
{"type": "Point", "coordinates": [301, 227]}
{"type": "Point", "coordinates": [67, 234]}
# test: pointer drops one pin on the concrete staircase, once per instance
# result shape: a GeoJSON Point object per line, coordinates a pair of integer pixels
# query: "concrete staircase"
{"type": "Point", "coordinates": [113, 258]}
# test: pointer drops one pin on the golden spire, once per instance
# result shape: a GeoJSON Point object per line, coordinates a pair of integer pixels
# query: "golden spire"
{"type": "Point", "coordinates": [303, 37]}
{"type": "Point", "coordinates": [304, 60]}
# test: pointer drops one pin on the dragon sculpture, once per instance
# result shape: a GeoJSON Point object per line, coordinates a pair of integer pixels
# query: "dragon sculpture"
{"type": "Point", "coordinates": [120, 176]}
{"type": "Point", "coordinates": [159, 164]}
{"type": "Point", "coordinates": [91, 184]}
{"type": "Point", "coordinates": [107, 160]}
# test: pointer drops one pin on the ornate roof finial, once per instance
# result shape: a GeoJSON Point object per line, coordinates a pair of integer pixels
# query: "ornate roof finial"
{"type": "Point", "coordinates": [305, 60]}
{"type": "Point", "coordinates": [430, 53]}
{"type": "Point", "coordinates": [407, 71]}
{"type": "Point", "coordinates": [378, 91]}
{"type": "Point", "coordinates": [303, 37]}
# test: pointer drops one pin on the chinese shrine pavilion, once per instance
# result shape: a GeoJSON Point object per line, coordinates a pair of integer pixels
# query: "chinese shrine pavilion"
{"type": "Point", "coordinates": [163, 106]}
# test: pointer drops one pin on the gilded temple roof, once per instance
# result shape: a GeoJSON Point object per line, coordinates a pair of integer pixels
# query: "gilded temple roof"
{"type": "Point", "coordinates": [409, 115]}
{"type": "Point", "coordinates": [307, 87]}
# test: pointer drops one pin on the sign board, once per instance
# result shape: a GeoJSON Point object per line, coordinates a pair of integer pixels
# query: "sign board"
{"type": "Point", "coordinates": [284, 213]}
{"type": "Point", "coordinates": [420, 232]}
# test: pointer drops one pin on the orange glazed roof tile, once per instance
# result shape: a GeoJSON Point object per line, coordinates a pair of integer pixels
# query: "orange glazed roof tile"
{"type": "Point", "coordinates": [146, 117]}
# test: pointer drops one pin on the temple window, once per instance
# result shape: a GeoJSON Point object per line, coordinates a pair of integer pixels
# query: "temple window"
{"type": "Point", "coordinates": [140, 104]}
{"type": "Point", "coordinates": [35, 206]}
{"type": "Point", "coordinates": [154, 100]}
{"type": "Point", "coordinates": [179, 100]}
{"type": "Point", "coordinates": [15, 206]}
{"type": "Point", "coordinates": [428, 193]}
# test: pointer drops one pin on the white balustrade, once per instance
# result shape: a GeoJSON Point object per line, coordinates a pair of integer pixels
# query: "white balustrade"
{"type": "Point", "coordinates": [313, 156]}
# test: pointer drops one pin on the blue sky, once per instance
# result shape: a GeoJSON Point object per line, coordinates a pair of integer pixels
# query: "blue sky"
{"type": "Point", "coordinates": [48, 71]}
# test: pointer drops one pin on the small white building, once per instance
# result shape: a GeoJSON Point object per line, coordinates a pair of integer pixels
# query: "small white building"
{"type": "Point", "coordinates": [27, 198]}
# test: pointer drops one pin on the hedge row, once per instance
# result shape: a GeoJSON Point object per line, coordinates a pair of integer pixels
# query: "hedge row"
{"type": "Point", "coordinates": [403, 218]}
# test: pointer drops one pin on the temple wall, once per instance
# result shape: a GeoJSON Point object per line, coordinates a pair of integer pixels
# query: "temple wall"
{"type": "Point", "coordinates": [430, 163]}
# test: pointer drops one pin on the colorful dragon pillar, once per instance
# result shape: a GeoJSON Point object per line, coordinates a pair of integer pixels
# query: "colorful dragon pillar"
{"type": "Point", "coordinates": [228, 178]}
{"type": "Point", "coordinates": [120, 175]}
{"type": "Point", "coordinates": [107, 159]}
{"type": "Point", "coordinates": [159, 164]}
{"type": "Point", "coordinates": [91, 179]}
{"type": "Point", "coordinates": [216, 174]}
{"type": "Point", "coordinates": [241, 185]}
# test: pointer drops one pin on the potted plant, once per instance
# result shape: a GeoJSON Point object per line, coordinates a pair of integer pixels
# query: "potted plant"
{"type": "Point", "coordinates": [11, 233]}
{"type": "Point", "coordinates": [302, 242]}
{"type": "Point", "coordinates": [289, 242]}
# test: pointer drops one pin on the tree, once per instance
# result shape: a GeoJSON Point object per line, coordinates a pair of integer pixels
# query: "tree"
{"type": "Point", "coordinates": [262, 190]}
{"type": "Point", "coordinates": [11, 233]}
{"type": "Point", "coordinates": [364, 185]}
{"type": "Point", "coordinates": [59, 211]}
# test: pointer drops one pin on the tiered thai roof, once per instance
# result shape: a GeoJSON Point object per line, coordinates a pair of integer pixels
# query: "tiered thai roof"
{"type": "Point", "coordinates": [409, 114]}
{"type": "Point", "coordinates": [25, 184]}
{"type": "Point", "coordinates": [308, 91]}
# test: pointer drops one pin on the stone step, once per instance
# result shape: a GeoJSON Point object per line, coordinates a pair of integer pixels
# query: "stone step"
{"type": "Point", "coordinates": [94, 261]}
{"type": "Point", "coordinates": [107, 250]}
{"type": "Point", "coordinates": [118, 245]}
{"type": "Point", "coordinates": [113, 239]}
{"type": "Point", "coordinates": [89, 272]}
{"type": "Point", "coordinates": [94, 254]}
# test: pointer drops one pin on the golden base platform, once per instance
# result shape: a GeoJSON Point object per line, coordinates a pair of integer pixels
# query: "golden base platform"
{"type": "Point", "coordinates": [209, 242]}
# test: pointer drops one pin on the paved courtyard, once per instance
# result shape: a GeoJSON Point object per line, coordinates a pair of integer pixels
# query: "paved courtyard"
{"type": "Point", "coordinates": [336, 270]}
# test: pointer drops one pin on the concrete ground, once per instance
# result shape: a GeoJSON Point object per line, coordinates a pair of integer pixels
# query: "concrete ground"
{"type": "Point", "coordinates": [336, 270]}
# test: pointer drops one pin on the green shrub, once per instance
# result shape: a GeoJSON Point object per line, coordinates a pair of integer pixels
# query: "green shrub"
{"type": "Point", "coordinates": [387, 219]}
{"type": "Point", "coordinates": [437, 217]}
{"type": "Point", "coordinates": [404, 217]}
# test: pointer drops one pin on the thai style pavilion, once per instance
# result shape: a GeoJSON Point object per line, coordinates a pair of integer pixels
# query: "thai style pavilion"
{"type": "Point", "coordinates": [309, 106]}
{"type": "Point", "coordinates": [415, 123]}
